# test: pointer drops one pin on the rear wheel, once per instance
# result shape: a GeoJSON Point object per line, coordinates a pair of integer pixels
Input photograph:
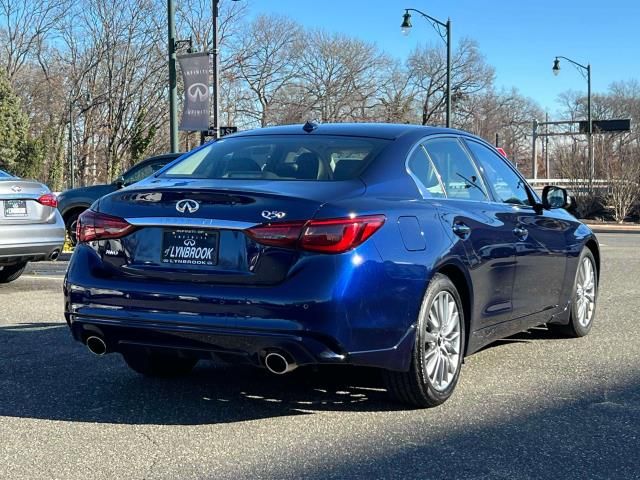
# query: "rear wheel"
{"type": "Point", "coordinates": [583, 302]}
{"type": "Point", "coordinates": [158, 364]}
{"type": "Point", "coordinates": [9, 273]}
{"type": "Point", "coordinates": [438, 351]}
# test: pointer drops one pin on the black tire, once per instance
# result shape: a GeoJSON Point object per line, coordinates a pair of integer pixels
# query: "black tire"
{"type": "Point", "coordinates": [575, 328]}
{"type": "Point", "coordinates": [415, 387]}
{"type": "Point", "coordinates": [152, 363]}
{"type": "Point", "coordinates": [70, 226]}
{"type": "Point", "coordinates": [9, 273]}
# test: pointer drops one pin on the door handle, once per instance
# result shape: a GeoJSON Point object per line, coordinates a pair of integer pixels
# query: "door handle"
{"type": "Point", "coordinates": [462, 230]}
{"type": "Point", "coordinates": [521, 232]}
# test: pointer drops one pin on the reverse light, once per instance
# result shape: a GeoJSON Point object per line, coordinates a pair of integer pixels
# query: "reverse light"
{"type": "Point", "coordinates": [99, 226]}
{"type": "Point", "coordinates": [337, 235]}
{"type": "Point", "coordinates": [48, 200]}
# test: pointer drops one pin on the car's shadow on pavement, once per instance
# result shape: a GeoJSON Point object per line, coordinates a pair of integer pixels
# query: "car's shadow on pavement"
{"type": "Point", "coordinates": [44, 374]}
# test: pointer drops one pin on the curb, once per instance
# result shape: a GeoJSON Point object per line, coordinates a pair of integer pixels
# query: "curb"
{"type": "Point", "coordinates": [613, 228]}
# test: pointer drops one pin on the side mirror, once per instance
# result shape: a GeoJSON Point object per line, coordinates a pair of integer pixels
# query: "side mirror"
{"type": "Point", "coordinates": [555, 197]}
{"type": "Point", "coordinates": [119, 182]}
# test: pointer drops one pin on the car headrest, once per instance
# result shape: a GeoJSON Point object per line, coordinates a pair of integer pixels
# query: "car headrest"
{"type": "Point", "coordinates": [308, 166]}
{"type": "Point", "coordinates": [346, 168]}
{"type": "Point", "coordinates": [242, 164]}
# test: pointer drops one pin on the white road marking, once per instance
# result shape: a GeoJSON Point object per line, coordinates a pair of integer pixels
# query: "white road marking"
{"type": "Point", "coordinates": [43, 277]}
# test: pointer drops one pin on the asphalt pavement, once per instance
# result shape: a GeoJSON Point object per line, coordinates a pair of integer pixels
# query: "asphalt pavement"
{"type": "Point", "coordinates": [533, 406]}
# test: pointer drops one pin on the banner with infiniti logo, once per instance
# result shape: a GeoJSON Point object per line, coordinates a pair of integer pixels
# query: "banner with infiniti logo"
{"type": "Point", "coordinates": [195, 73]}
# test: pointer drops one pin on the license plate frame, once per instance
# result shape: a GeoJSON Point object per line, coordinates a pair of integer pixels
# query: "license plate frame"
{"type": "Point", "coordinates": [15, 208]}
{"type": "Point", "coordinates": [188, 247]}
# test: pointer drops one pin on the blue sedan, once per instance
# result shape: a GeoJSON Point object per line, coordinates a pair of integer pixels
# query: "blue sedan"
{"type": "Point", "coordinates": [399, 247]}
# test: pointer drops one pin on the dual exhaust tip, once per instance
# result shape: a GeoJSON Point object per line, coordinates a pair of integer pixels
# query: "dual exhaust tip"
{"type": "Point", "coordinates": [54, 255]}
{"type": "Point", "coordinates": [279, 363]}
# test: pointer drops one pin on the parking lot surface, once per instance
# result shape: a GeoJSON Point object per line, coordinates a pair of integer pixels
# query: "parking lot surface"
{"type": "Point", "coordinates": [532, 406]}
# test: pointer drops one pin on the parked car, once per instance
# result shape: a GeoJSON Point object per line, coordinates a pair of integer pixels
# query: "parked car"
{"type": "Point", "coordinates": [392, 246]}
{"type": "Point", "coordinates": [31, 229]}
{"type": "Point", "coordinates": [72, 203]}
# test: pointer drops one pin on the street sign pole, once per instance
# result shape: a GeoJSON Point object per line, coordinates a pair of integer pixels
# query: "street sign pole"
{"type": "Point", "coordinates": [216, 112]}
{"type": "Point", "coordinates": [173, 84]}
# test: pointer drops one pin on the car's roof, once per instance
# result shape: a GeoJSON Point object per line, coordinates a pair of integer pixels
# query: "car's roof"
{"type": "Point", "coordinates": [377, 130]}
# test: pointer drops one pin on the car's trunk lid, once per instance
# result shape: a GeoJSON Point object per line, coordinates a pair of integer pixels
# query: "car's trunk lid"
{"type": "Point", "coordinates": [196, 230]}
{"type": "Point", "coordinates": [19, 202]}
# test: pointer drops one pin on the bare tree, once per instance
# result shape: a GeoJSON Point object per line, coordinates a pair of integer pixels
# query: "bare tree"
{"type": "Point", "coordinates": [268, 62]}
{"type": "Point", "coordinates": [427, 65]}
{"type": "Point", "coordinates": [339, 77]}
{"type": "Point", "coordinates": [25, 25]}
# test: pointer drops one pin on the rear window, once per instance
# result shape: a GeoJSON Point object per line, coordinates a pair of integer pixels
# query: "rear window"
{"type": "Point", "coordinates": [4, 174]}
{"type": "Point", "coordinates": [270, 157]}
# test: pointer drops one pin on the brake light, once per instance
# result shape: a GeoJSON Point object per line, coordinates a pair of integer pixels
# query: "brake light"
{"type": "Point", "coordinates": [502, 152]}
{"type": "Point", "coordinates": [336, 235]}
{"type": "Point", "coordinates": [99, 226]}
{"type": "Point", "coordinates": [48, 200]}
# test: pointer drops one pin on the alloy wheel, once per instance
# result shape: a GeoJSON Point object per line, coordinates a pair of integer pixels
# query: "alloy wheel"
{"type": "Point", "coordinates": [442, 341]}
{"type": "Point", "coordinates": [585, 292]}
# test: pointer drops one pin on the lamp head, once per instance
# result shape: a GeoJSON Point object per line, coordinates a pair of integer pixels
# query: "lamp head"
{"type": "Point", "coordinates": [556, 66]}
{"type": "Point", "coordinates": [405, 28]}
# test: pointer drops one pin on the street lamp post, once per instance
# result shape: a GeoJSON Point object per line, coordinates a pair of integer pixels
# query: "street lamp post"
{"type": "Point", "coordinates": [216, 68]}
{"type": "Point", "coordinates": [582, 68]}
{"type": "Point", "coordinates": [446, 36]}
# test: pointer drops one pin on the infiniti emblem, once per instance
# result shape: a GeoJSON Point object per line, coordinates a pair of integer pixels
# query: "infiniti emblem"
{"type": "Point", "coordinates": [16, 188]}
{"type": "Point", "coordinates": [189, 242]}
{"type": "Point", "coordinates": [198, 92]}
{"type": "Point", "coordinates": [188, 205]}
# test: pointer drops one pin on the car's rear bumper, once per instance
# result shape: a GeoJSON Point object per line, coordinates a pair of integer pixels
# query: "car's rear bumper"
{"type": "Point", "coordinates": [353, 316]}
{"type": "Point", "coordinates": [235, 344]}
{"type": "Point", "coordinates": [31, 242]}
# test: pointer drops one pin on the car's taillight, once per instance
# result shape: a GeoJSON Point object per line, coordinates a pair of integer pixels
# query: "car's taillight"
{"type": "Point", "coordinates": [48, 200]}
{"type": "Point", "coordinates": [99, 226]}
{"type": "Point", "coordinates": [335, 235]}
{"type": "Point", "coordinates": [339, 235]}
{"type": "Point", "coordinates": [284, 234]}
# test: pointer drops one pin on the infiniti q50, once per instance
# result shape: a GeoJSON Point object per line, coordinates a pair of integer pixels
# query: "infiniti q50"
{"type": "Point", "coordinates": [399, 247]}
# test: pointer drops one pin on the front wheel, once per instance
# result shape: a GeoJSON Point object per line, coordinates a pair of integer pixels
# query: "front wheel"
{"type": "Point", "coordinates": [158, 364]}
{"type": "Point", "coordinates": [583, 301]}
{"type": "Point", "coordinates": [439, 348]}
{"type": "Point", "coordinates": [9, 273]}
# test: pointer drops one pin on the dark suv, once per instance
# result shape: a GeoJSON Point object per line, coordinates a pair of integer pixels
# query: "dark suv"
{"type": "Point", "coordinates": [73, 202]}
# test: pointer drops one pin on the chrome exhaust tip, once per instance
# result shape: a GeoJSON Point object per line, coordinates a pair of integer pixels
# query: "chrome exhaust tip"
{"type": "Point", "coordinates": [278, 364]}
{"type": "Point", "coordinates": [96, 345]}
{"type": "Point", "coordinates": [54, 255]}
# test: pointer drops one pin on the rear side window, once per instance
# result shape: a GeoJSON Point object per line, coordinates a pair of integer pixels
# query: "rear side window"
{"type": "Point", "coordinates": [458, 173]}
{"type": "Point", "coordinates": [4, 174]}
{"type": "Point", "coordinates": [423, 172]}
{"type": "Point", "coordinates": [280, 157]}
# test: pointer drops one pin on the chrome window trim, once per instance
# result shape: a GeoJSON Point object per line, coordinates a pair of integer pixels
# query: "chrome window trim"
{"type": "Point", "coordinates": [190, 222]}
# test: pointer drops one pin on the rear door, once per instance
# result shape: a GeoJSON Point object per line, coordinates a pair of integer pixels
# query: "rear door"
{"type": "Point", "coordinates": [541, 246]}
{"type": "Point", "coordinates": [19, 202]}
{"type": "Point", "coordinates": [484, 228]}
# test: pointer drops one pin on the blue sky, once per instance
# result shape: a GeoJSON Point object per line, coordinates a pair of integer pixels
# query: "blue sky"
{"type": "Point", "coordinates": [519, 38]}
